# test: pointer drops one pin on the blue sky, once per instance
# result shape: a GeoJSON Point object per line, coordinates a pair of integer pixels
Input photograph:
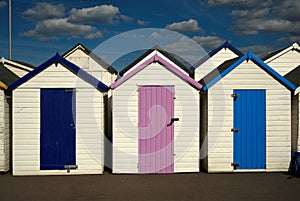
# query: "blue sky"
{"type": "Point", "coordinates": [41, 28]}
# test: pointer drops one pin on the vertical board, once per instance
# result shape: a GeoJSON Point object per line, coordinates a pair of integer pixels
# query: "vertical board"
{"type": "Point", "coordinates": [57, 141]}
{"type": "Point", "coordinates": [250, 119]}
{"type": "Point", "coordinates": [156, 135]}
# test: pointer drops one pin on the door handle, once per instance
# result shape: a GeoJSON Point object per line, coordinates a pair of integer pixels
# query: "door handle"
{"type": "Point", "coordinates": [172, 121]}
{"type": "Point", "coordinates": [72, 125]}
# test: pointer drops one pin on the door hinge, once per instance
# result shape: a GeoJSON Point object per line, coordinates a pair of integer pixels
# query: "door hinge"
{"type": "Point", "coordinates": [235, 130]}
{"type": "Point", "coordinates": [234, 165]}
{"type": "Point", "coordinates": [235, 96]}
{"type": "Point", "coordinates": [70, 90]}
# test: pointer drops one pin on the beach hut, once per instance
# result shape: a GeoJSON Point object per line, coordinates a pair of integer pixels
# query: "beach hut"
{"type": "Point", "coordinates": [294, 77]}
{"type": "Point", "coordinates": [19, 68]}
{"type": "Point", "coordinates": [91, 63]}
{"type": "Point", "coordinates": [6, 78]}
{"type": "Point", "coordinates": [284, 60]}
{"type": "Point", "coordinates": [215, 58]}
{"type": "Point", "coordinates": [245, 117]}
{"type": "Point", "coordinates": [57, 121]}
{"type": "Point", "coordinates": [155, 117]}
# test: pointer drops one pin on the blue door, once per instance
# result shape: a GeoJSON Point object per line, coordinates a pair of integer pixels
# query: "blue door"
{"type": "Point", "coordinates": [249, 129]}
{"type": "Point", "coordinates": [57, 137]}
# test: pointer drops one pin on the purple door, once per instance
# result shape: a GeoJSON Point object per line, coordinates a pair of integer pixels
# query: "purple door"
{"type": "Point", "coordinates": [156, 132]}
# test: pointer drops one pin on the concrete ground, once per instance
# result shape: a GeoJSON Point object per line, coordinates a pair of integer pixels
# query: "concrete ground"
{"type": "Point", "coordinates": [196, 186]}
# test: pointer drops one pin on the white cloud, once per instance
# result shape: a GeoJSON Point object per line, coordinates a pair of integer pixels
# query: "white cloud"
{"type": "Point", "coordinates": [255, 16]}
{"type": "Point", "coordinates": [126, 18]}
{"type": "Point", "coordinates": [3, 4]}
{"type": "Point", "coordinates": [49, 29]}
{"type": "Point", "coordinates": [254, 26]}
{"type": "Point", "coordinates": [209, 42]}
{"type": "Point", "coordinates": [142, 22]}
{"type": "Point", "coordinates": [104, 14]}
{"type": "Point", "coordinates": [184, 26]}
{"type": "Point", "coordinates": [97, 34]}
{"type": "Point", "coordinates": [43, 11]}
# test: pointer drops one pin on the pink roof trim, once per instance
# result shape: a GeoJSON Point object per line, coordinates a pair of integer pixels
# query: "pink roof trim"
{"type": "Point", "coordinates": [160, 59]}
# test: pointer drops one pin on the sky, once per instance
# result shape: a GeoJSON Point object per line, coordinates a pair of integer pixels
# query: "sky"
{"type": "Point", "coordinates": [42, 28]}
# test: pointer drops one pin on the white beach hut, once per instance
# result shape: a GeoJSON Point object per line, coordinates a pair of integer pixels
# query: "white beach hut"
{"type": "Point", "coordinates": [58, 117]}
{"type": "Point", "coordinates": [155, 117]}
{"type": "Point", "coordinates": [245, 117]}
{"type": "Point", "coordinates": [6, 78]}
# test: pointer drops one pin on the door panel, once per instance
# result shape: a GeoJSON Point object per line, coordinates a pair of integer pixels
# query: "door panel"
{"type": "Point", "coordinates": [57, 138]}
{"type": "Point", "coordinates": [156, 137]}
{"type": "Point", "coordinates": [250, 120]}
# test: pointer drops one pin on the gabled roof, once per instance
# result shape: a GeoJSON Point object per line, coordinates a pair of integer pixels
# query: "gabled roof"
{"type": "Point", "coordinates": [57, 59]}
{"type": "Point", "coordinates": [163, 61]}
{"type": "Point", "coordinates": [163, 52]}
{"type": "Point", "coordinates": [225, 68]}
{"type": "Point", "coordinates": [18, 64]}
{"type": "Point", "coordinates": [277, 53]}
{"type": "Point", "coordinates": [294, 76]}
{"type": "Point", "coordinates": [6, 76]}
{"type": "Point", "coordinates": [92, 55]}
{"type": "Point", "coordinates": [225, 45]}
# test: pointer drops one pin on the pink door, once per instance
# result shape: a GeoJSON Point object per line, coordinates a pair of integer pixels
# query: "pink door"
{"type": "Point", "coordinates": [156, 132]}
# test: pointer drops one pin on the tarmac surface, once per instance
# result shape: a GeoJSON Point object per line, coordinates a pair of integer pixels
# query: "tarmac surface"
{"type": "Point", "coordinates": [194, 186]}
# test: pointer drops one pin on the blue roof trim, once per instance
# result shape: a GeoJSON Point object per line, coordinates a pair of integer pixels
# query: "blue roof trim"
{"type": "Point", "coordinates": [225, 45]}
{"type": "Point", "coordinates": [259, 62]}
{"type": "Point", "coordinates": [34, 72]}
{"type": "Point", "coordinates": [70, 66]}
{"type": "Point", "coordinates": [225, 72]}
{"type": "Point", "coordinates": [271, 71]}
{"type": "Point", "coordinates": [84, 75]}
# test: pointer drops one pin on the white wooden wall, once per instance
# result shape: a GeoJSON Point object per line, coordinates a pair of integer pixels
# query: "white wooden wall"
{"type": "Point", "coordinates": [26, 123]}
{"type": "Point", "coordinates": [125, 121]}
{"type": "Point", "coordinates": [85, 62]}
{"type": "Point", "coordinates": [19, 71]}
{"type": "Point", "coordinates": [220, 118]}
{"type": "Point", "coordinates": [286, 62]}
{"type": "Point", "coordinates": [4, 133]}
{"type": "Point", "coordinates": [213, 62]}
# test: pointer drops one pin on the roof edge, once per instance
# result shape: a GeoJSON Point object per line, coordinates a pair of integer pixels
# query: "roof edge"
{"type": "Point", "coordinates": [58, 59]}
{"type": "Point", "coordinates": [225, 45]}
{"type": "Point", "coordinates": [156, 58]}
{"type": "Point", "coordinates": [250, 56]}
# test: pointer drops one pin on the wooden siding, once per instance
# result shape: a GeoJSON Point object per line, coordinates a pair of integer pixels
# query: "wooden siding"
{"type": "Point", "coordinates": [4, 133]}
{"type": "Point", "coordinates": [19, 71]}
{"type": "Point", "coordinates": [220, 118]}
{"type": "Point", "coordinates": [26, 123]}
{"type": "Point", "coordinates": [85, 62]}
{"type": "Point", "coordinates": [213, 62]}
{"type": "Point", "coordinates": [125, 121]}
{"type": "Point", "coordinates": [286, 62]}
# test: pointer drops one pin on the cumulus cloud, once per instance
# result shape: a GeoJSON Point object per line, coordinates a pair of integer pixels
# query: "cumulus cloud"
{"type": "Point", "coordinates": [43, 11]}
{"type": "Point", "coordinates": [3, 4]}
{"type": "Point", "coordinates": [142, 22]}
{"type": "Point", "coordinates": [255, 16]}
{"type": "Point", "coordinates": [54, 22]}
{"type": "Point", "coordinates": [209, 42]}
{"type": "Point", "coordinates": [184, 26]}
{"type": "Point", "coordinates": [52, 28]}
{"type": "Point", "coordinates": [104, 14]}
